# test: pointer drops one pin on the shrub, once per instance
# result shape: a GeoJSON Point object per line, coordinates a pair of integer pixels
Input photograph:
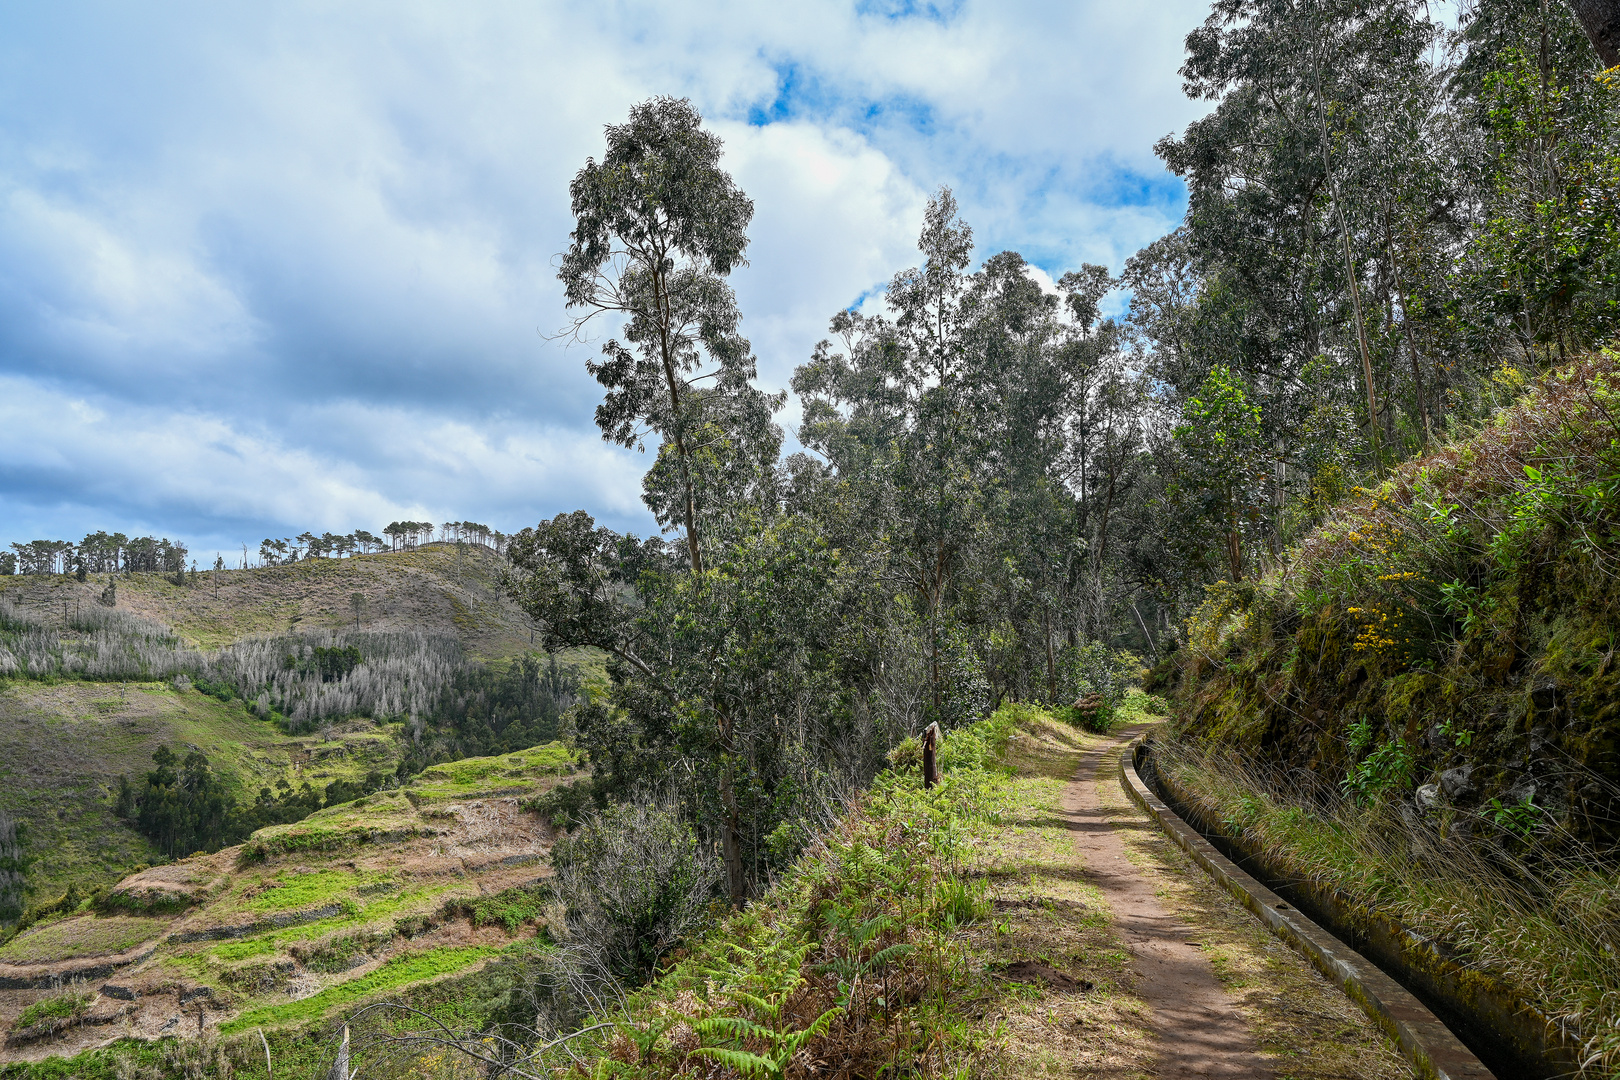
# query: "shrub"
{"type": "Point", "coordinates": [565, 805]}
{"type": "Point", "coordinates": [907, 754]}
{"type": "Point", "coordinates": [636, 883]}
{"type": "Point", "coordinates": [510, 907]}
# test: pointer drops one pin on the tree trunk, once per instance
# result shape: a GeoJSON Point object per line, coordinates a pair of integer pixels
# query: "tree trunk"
{"type": "Point", "coordinates": [1234, 549]}
{"type": "Point", "coordinates": [1406, 328]}
{"type": "Point", "coordinates": [661, 298]}
{"type": "Point", "coordinates": [1601, 21]}
{"type": "Point", "coordinates": [1349, 270]}
{"type": "Point", "coordinates": [731, 823]}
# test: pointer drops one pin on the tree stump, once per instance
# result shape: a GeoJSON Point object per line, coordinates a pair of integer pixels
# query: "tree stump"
{"type": "Point", "coordinates": [930, 748]}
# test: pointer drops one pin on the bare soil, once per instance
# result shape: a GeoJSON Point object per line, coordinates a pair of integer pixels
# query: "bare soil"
{"type": "Point", "coordinates": [1113, 955]}
{"type": "Point", "coordinates": [1199, 1030]}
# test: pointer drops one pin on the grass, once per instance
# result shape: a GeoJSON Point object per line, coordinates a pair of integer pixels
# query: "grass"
{"type": "Point", "coordinates": [1539, 916]}
{"type": "Point", "coordinates": [80, 936]}
{"type": "Point", "coordinates": [68, 1006]}
{"type": "Point", "coordinates": [400, 971]}
{"type": "Point", "coordinates": [1458, 617]}
{"type": "Point", "coordinates": [64, 745]}
{"type": "Point", "coordinates": [511, 908]}
{"type": "Point", "coordinates": [290, 890]}
{"type": "Point", "coordinates": [483, 775]}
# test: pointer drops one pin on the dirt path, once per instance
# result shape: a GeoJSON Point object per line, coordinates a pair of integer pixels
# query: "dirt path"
{"type": "Point", "coordinates": [1201, 1032]}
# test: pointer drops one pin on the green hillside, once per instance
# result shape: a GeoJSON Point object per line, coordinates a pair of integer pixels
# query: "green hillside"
{"type": "Point", "coordinates": [369, 897]}
{"type": "Point", "coordinates": [66, 740]}
{"type": "Point", "coordinates": [64, 746]}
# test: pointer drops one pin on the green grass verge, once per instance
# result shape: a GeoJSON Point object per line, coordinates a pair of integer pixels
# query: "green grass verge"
{"type": "Point", "coordinates": [398, 972]}
{"type": "Point", "coordinates": [61, 1007]}
{"type": "Point", "coordinates": [80, 936]}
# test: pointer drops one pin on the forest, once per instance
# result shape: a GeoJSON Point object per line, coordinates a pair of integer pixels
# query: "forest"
{"type": "Point", "coordinates": [1394, 225]}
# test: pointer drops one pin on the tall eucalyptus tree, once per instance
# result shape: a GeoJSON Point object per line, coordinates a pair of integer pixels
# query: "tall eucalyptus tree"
{"type": "Point", "coordinates": [658, 226]}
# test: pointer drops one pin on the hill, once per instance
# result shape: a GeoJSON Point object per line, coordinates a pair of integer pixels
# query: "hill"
{"type": "Point", "coordinates": [452, 588]}
{"type": "Point", "coordinates": [64, 746]}
{"type": "Point", "coordinates": [356, 900]}
{"type": "Point", "coordinates": [67, 739]}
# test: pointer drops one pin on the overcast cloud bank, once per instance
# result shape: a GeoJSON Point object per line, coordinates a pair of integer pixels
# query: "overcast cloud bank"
{"type": "Point", "coordinates": [266, 270]}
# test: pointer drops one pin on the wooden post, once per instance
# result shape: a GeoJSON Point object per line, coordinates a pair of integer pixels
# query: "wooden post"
{"type": "Point", "coordinates": [930, 747]}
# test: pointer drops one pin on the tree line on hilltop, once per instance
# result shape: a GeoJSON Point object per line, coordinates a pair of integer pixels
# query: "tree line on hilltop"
{"type": "Point", "coordinates": [1003, 491]}
{"type": "Point", "coordinates": [398, 536]}
{"type": "Point", "coordinates": [99, 552]}
{"type": "Point", "coordinates": [103, 552]}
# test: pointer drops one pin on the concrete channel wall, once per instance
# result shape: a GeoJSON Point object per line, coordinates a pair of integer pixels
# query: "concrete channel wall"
{"type": "Point", "coordinates": [1427, 1041]}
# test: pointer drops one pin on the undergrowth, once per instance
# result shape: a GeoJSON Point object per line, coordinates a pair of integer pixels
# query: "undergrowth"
{"type": "Point", "coordinates": [856, 963]}
{"type": "Point", "coordinates": [1459, 618]}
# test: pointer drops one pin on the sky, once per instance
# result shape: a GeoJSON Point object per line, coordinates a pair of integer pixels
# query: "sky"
{"type": "Point", "coordinates": [274, 267]}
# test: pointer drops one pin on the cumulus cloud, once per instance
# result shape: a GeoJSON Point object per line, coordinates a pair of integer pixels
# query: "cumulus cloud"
{"type": "Point", "coordinates": [290, 266]}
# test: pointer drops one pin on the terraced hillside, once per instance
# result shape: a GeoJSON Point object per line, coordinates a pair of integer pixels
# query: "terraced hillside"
{"type": "Point", "coordinates": [448, 587]}
{"type": "Point", "coordinates": [63, 747]}
{"type": "Point", "coordinates": [64, 742]}
{"type": "Point", "coordinates": [356, 901]}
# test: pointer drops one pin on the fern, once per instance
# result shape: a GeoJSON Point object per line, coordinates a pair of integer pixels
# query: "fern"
{"type": "Point", "coordinates": [736, 1027]}
{"type": "Point", "coordinates": [741, 1060]}
{"type": "Point", "coordinates": [893, 952]}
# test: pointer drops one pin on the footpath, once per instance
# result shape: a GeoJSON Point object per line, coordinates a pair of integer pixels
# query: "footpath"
{"type": "Point", "coordinates": [1125, 961]}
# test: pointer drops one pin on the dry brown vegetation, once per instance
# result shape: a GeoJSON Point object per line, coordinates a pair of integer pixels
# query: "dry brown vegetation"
{"type": "Point", "coordinates": [435, 587]}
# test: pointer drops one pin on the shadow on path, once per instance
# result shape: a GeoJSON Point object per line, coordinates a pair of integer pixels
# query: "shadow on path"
{"type": "Point", "coordinates": [1200, 1031]}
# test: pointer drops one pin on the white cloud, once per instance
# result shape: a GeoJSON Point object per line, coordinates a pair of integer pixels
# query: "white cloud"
{"type": "Point", "coordinates": [243, 249]}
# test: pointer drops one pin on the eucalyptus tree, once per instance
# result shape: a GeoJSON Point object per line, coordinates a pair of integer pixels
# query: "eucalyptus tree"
{"type": "Point", "coordinates": [893, 414]}
{"type": "Point", "coordinates": [658, 227]}
{"type": "Point", "coordinates": [1601, 21]}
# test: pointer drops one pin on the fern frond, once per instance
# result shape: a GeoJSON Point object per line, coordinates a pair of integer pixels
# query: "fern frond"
{"type": "Point", "coordinates": [741, 1060]}
{"type": "Point", "coordinates": [735, 1027]}
{"type": "Point", "coordinates": [891, 953]}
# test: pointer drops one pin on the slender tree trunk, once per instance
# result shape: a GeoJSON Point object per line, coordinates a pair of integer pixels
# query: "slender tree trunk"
{"type": "Point", "coordinates": [1349, 267]}
{"type": "Point", "coordinates": [1406, 328]}
{"type": "Point", "coordinates": [693, 541]}
{"type": "Point", "coordinates": [731, 823]}
{"type": "Point", "coordinates": [1051, 660]}
{"type": "Point", "coordinates": [1234, 548]}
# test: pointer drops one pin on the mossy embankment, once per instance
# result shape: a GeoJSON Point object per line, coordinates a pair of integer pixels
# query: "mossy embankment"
{"type": "Point", "coordinates": [1458, 624]}
{"type": "Point", "coordinates": [1420, 705]}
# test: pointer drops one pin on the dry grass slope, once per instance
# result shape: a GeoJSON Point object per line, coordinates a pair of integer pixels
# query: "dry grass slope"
{"type": "Point", "coordinates": [436, 587]}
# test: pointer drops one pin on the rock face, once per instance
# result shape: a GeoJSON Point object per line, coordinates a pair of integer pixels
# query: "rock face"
{"type": "Point", "coordinates": [1457, 785]}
